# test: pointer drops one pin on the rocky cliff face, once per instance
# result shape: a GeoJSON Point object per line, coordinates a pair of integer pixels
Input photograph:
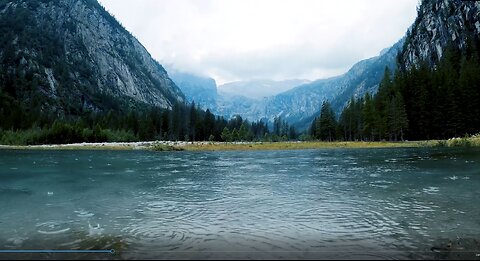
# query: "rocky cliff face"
{"type": "Point", "coordinates": [438, 24]}
{"type": "Point", "coordinates": [72, 55]}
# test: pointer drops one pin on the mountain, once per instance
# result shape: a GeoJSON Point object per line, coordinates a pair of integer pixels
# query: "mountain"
{"type": "Point", "coordinates": [300, 105]}
{"type": "Point", "coordinates": [439, 78]}
{"type": "Point", "coordinates": [435, 91]}
{"type": "Point", "coordinates": [201, 90]}
{"type": "Point", "coordinates": [440, 24]}
{"type": "Point", "coordinates": [250, 98]}
{"type": "Point", "coordinates": [366, 76]}
{"type": "Point", "coordinates": [230, 105]}
{"type": "Point", "coordinates": [259, 89]}
{"type": "Point", "coordinates": [204, 92]}
{"type": "Point", "coordinates": [71, 56]}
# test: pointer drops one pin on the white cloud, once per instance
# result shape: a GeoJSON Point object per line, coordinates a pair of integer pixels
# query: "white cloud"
{"type": "Point", "coordinates": [277, 39]}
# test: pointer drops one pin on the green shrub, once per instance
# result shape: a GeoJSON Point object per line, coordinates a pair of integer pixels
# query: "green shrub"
{"type": "Point", "coordinates": [163, 147]}
{"type": "Point", "coordinates": [441, 143]}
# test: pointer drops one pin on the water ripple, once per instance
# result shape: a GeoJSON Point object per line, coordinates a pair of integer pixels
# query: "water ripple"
{"type": "Point", "coordinates": [280, 204]}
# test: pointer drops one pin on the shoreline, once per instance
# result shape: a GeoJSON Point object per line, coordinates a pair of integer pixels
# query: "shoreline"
{"type": "Point", "coordinates": [473, 141]}
{"type": "Point", "coordinates": [216, 146]}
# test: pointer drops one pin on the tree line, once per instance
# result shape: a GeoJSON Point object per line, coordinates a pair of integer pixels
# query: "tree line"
{"type": "Point", "coordinates": [29, 116]}
{"type": "Point", "coordinates": [419, 103]}
{"type": "Point", "coordinates": [184, 122]}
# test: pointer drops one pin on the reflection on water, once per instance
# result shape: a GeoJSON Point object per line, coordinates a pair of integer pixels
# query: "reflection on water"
{"type": "Point", "coordinates": [340, 203]}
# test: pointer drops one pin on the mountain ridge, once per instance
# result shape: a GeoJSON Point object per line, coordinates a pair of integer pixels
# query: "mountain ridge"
{"type": "Point", "coordinates": [438, 24]}
{"type": "Point", "coordinates": [300, 104]}
{"type": "Point", "coordinates": [260, 88]}
{"type": "Point", "coordinates": [73, 56]}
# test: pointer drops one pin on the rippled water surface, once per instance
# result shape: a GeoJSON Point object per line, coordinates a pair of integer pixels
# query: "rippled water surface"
{"type": "Point", "coordinates": [338, 203]}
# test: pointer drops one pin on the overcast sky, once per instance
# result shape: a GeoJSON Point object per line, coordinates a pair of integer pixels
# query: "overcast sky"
{"type": "Point", "coordinates": [232, 40]}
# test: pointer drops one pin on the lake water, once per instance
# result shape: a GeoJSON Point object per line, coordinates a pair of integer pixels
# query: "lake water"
{"type": "Point", "coordinates": [335, 203]}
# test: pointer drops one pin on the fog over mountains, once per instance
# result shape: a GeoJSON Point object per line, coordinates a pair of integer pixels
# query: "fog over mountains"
{"type": "Point", "coordinates": [298, 104]}
{"type": "Point", "coordinates": [438, 24]}
{"type": "Point", "coordinates": [260, 89]}
{"type": "Point", "coordinates": [71, 56]}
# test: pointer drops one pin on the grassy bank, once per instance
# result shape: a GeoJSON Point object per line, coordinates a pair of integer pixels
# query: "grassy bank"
{"type": "Point", "coordinates": [471, 141]}
{"type": "Point", "coordinates": [84, 146]}
{"type": "Point", "coordinates": [214, 146]}
{"type": "Point", "coordinates": [226, 146]}
{"type": "Point", "coordinates": [467, 141]}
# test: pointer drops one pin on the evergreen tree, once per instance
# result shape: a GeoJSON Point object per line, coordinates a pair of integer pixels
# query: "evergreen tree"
{"type": "Point", "coordinates": [347, 123]}
{"type": "Point", "coordinates": [326, 125]}
{"type": "Point", "coordinates": [132, 122]}
{"type": "Point", "coordinates": [397, 117]}
{"type": "Point", "coordinates": [292, 133]}
{"type": "Point", "coordinates": [193, 121]}
{"type": "Point", "coordinates": [175, 122]}
{"type": "Point", "coordinates": [369, 118]}
{"type": "Point", "coordinates": [381, 100]}
{"type": "Point", "coordinates": [277, 126]}
{"type": "Point", "coordinates": [469, 84]}
{"type": "Point", "coordinates": [226, 135]}
{"type": "Point", "coordinates": [209, 123]}
{"type": "Point", "coordinates": [243, 133]}
{"type": "Point", "coordinates": [234, 135]}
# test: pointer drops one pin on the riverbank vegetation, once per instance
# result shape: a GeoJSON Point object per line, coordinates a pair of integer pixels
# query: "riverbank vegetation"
{"type": "Point", "coordinates": [465, 142]}
{"type": "Point", "coordinates": [420, 103]}
{"type": "Point", "coordinates": [183, 123]}
{"type": "Point", "coordinates": [220, 146]}
{"type": "Point", "coordinates": [415, 104]}
{"type": "Point", "coordinates": [289, 145]}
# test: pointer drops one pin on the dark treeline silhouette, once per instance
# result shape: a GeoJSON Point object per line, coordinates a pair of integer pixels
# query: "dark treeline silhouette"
{"type": "Point", "coordinates": [420, 103]}
{"type": "Point", "coordinates": [185, 122]}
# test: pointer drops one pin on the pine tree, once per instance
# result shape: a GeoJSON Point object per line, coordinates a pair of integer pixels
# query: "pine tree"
{"type": "Point", "coordinates": [193, 121]}
{"type": "Point", "coordinates": [469, 84]}
{"type": "Point", "coordinates": [397, 117]}
{"type": "Point", "coordinates": [347, 121]}
{"type": "Point", "coordinates": [175, 122]}
{"type": "Point", "coordinates": [234, 135]}
{"type": "Point", "coordinates": [381, 100]}
{"type": "Point", "coordinates": [226, 135]}
{"type": "Point", "coordinates": [243, 132]}
{"type": "Point", "coordinates": [359, 119]}
{"type": "Point", "coordinates": [327, 125]}
{"type": "Point", "coordinates": [369, 118]}
{"type": "Point", "coordinates": [277, 126]}
{"type": "Point", "coordinates": [132, 122]}
{"type": "Point", "coordinates": [209, 123]}
{"type": "Point", "coordinates": [292, 133]}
